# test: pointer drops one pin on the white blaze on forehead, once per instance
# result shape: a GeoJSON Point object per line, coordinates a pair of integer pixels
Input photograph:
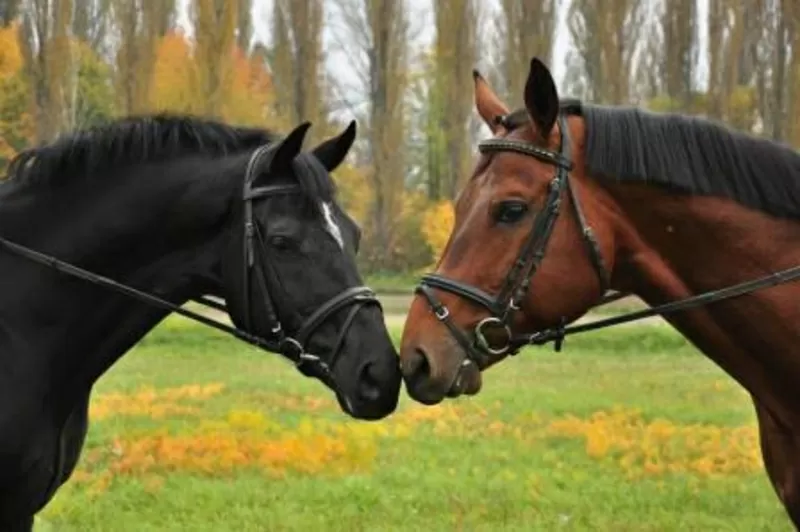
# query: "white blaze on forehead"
{"type": "Point", "coordinates": [330, 224]}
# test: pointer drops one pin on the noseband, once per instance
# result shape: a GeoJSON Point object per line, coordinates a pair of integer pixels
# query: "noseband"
{"type": "Point", "coordinates": [292, 347]}
{"type": "Point", "coordinates": [517, 282]}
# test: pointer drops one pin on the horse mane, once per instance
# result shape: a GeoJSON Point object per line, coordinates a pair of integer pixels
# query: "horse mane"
{"type": "Point", "coordinates": [143, 139]}
{"type": "Point", "coordinates": [688, 154]}
{"type": "Point", "coordinates": [130, 140]}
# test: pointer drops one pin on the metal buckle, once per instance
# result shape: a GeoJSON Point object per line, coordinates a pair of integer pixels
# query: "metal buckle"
{"type": "Point", "coordinates": [442, 313]}
{"type": "Point", "coordinates": [292, 349]}
{"type": "Point", "coordinates": [483, 343]}
{"type": "Point", "coordinates": [297, 354]}
{"type": "Point", "coordinates": [315, 360]}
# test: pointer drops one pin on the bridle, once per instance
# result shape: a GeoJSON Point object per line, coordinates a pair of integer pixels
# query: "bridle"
{"type": "Point", "coordinates": [294, 348]}
{"type": "Point", "coordinates": [517, 282]}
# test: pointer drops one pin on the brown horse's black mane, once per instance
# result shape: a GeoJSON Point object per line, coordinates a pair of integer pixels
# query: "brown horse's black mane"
{"type": "Point", "coordinates": [688, 154]}
{"type": "Point", "coordinates": [131, 140]}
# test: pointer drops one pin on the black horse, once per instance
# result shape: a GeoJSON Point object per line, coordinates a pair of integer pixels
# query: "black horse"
{"type": "Point", "coordinates": [105, 231]}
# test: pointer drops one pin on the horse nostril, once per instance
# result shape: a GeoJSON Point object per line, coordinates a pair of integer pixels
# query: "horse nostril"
{"type": "Point", "coordinates": [416, 366]}
{"type": "Point", "coordinates": [369, 388]}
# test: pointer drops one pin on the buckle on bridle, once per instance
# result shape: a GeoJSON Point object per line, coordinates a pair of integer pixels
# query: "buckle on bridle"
{"type": "Point", "coordinates": [292, 350]}
{"type": "Point", "coordinates": [484, 344]}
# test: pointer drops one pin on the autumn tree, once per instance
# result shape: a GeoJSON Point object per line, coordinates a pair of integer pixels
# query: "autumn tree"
{"type": "Point", "coordinates": [679, 44]}
{"type": "Point", "coordinates": [606, 35]}
{"type": "Point", "coordinates": [93, 99]}
{"type": "Point", "coordinates": [735, 30]}
{"type": "Point", "coordinates": [16, 124]}
{"type": "Point", "coordinates": [140, 24]}
{"type": "Point", "coordinates": [525, 29]}
{"type": "Point", "coordinates": [8, 11]}
{"type": "Point", "coordinates": [668, 60]}
{"type": "Point", "coordinates": [50, 67]}
{"type": "Point", "coordinates": [297, 63]}
{"type": "Point", "coordinates": [92, 23]}
{"type": "Point", "coordinates": [172, 84]}
{"type": "Point", "coordinates": [776, 101]}
{"type": "Point", "coordinates": [244, 24]}
{"type": "Point", "coordinates": [777, 69]}
{"type": "Point", "coordinates": [791, 11]}
{"type": "Point", "coordinates": [215, 23]}
{"type": "Point", "coordinates": [251, 93]}
{"type": "Point", "coordinates": [375, 37]}
{"type": "Point", "coordinates": [449, 107]}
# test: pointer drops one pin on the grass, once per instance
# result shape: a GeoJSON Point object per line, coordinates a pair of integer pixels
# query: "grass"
{"type": "Point", "coordinates": [393, 283]}
{"type": "Point", "coordinates": [624, 430]}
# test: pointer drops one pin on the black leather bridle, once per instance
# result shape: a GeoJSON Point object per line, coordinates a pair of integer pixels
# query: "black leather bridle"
{"type": "Point", "coordinates": [514, 289]}
{"type": "Point", "coordinates": [293, 347]}
{"type": "Point", "coordinates": [517, 282]}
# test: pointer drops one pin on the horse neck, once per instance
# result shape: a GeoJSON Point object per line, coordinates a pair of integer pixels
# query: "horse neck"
{"type": "Point", "coordinates": [671, 247]}
{"type": "Point", "coordinates": [154, 228]}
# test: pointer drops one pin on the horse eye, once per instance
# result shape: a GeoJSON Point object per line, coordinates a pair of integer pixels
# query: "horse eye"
{"type": "Point", "coordinates": [509, 212]}
{"type": "Point", "coordinates": [280, 242]}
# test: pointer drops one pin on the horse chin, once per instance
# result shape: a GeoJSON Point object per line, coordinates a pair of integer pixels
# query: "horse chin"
{"type": "Point", "coordinates": [346, 405]}
{"type": "Point", "coordinates": [468, 381]}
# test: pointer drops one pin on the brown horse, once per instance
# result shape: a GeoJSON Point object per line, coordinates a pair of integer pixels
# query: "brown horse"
{"type": "Point", "coordinates": [570, 200]}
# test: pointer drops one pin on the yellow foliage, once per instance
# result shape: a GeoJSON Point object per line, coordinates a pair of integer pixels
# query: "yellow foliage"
{"type": "Point", "coordinates": [16, 122]}
{"type": "Point", "coordinates": [644, 448]}
{"type": "Point", "coordinates": [243, 440]}
{"type": "Point", "coordinates": [437, 224]}
{"type": "Point", "coordinates": [151, 403]}
{"type": "Point", "coordinates": [10, 54]}
{"type": "Point", "coordinates": [251, 440]}
{"type": "Point", "coordinates": [742, 107]}
{"type": "Point", "coordinates": [222, 452]}
{"type": "Point", "coordinates": [409, 250]}
{"type": "Point", "coordinates": [172, 88]}
{"type": "Point", "coordinates": [214, 22]}
{"type": "Point", "coordinates": [354, 191]}
{"type": "Point", "coordinates": [7, 152]}
{"type": "Point", "coordinates": [250, 92]}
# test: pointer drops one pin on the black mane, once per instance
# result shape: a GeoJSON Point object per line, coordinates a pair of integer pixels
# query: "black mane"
{"type": "Point", "coordinates": [688, 154]}
{"type": "Point", "coordinates": [131, 140]}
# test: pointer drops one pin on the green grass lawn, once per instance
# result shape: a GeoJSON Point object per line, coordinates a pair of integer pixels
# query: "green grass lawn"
{"type": "Point", "coordinates": [625, 430]}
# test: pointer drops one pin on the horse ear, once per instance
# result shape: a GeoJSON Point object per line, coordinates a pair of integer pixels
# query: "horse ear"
{"type": "Point", "coordinates": [332, 152]}
{"type": "Point", "coordinates": [488, 103]}
{"type": "Point", "coordinates": [288, 149]}
{"type": "Point", "coordinates": [541, 97]}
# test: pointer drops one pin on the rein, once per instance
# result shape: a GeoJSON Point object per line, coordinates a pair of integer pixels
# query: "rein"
{"type": "Point", "coordinates": [557, 334]}
{"type": "Point", "coordinates": [480, 348]}
{"type": "Point", "coordinates": [292, 348]}
{"type": "Point", "coordinates": [100, 280]}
